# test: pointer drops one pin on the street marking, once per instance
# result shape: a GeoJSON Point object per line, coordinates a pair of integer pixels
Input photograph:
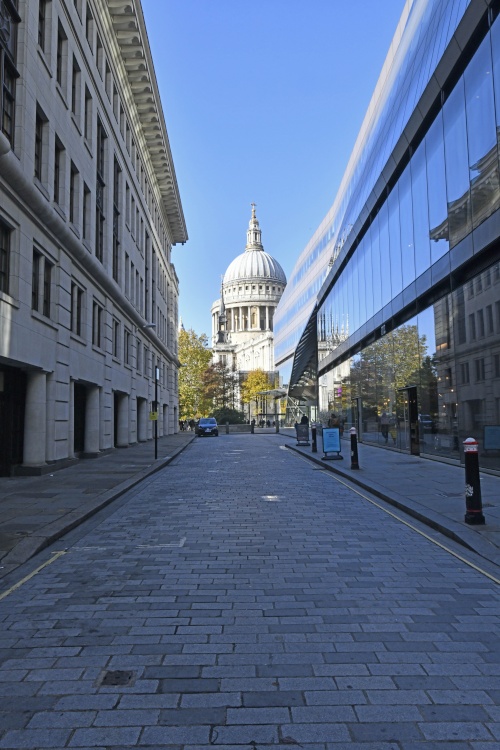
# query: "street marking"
{"type": "Point", "coordinates": [271, 498]}
{"type": "Point", "coordinates": [17, 585]}
{"type": "Point", "coordinates": [414, 528]}
{"type": "Point", "coordinates": [167, 545]}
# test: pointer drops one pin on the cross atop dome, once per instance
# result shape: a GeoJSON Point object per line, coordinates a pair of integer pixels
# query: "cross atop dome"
{"type": "Point", "coordinates": [254, 234]}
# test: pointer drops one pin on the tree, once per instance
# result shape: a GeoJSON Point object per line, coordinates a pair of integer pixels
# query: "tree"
{"type": "Point", "coordinates": [220, 385]}
{"type": "Point", "coordinates": [255, 382]}
{"type": "Point", "coordinates": [226, 414]}
{"type": "Point", "coordinates": [194, 357]}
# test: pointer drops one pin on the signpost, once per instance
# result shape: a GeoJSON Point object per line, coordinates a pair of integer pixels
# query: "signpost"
{"type": "Point", "coordinates": [302, 432]}
{"type": "Point", "coordinates": [331, 444]}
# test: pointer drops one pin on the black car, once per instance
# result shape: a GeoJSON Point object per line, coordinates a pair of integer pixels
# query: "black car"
{"type": "Point", "coordinates": [207, 426]}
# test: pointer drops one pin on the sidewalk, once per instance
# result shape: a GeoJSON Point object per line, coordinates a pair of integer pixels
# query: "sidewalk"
{"type": "Point", "coordinates": [35, 511]}
{"type": "Point", "coordinates": [431, 491]}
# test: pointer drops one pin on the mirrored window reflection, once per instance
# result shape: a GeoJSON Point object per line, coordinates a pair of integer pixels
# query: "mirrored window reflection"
{"type": "Point", "coordinates": [406, 218]}
{"type": "Point", "coordinates": [481, 134]}
{"type": "Point", "coordinates": [436, 190]}
{"type": "Point", "coordinates": [395, 243]}
{"type": "Point", "coordinates": [420, 211]}
{"type": "Point", "coordinates": [385, 268]}
{"type": "Point", "coordinates": [376, 270]}
{"type": "Point", "coordinates": [457, 160]}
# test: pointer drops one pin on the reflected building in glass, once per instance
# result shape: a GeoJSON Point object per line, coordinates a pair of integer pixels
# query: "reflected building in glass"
{"type": "Point", "coordinates": [392, 313]}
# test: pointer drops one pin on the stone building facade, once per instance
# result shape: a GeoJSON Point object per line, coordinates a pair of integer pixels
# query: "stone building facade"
{"type": "Point", "coordinates": [89, 212]}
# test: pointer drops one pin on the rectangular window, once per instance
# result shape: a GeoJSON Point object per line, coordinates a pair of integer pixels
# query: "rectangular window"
{"type": "Point", "coordinates": [116, 338]}
{"type": "Point", "coordinates": [96, 324]}
{"type": "Point", "coordinates": [61, 56]}
{"type": "Point", "coordinates": [100, 185]}
{"type": "Point", "coordinates": [47, 285]}
{"type": "Point", "coordinates": [75, 88]}
{"type": "Point", "coordinates": [126, 347]}
{"type": "Point", "coordinates": [127, 276]}
{"type": "Point", "coordinates": [145, 360]}
{"type": "Point", "coordinates": [116, 219]}
{"type": "Point", "coordinates": [35, 280]}
{"type": "Point", "coordinates": [479, 369]}
{"type": "Point", "coordinates": [472, 326]}
{"type": "Point", "coordinates": [99, 55]}
{"type": "Point", "coordinates": [87, 125]}
{"type": "Point", "coordinates": [138, 363]}
{"type": "Point", "coordinates": [496, 365]}
{"type": "Point", "coordinates": [480, 323]}
{"type": "Point", "coordinates": [5, 233]}
{"type": "Point", "coordinates": [42, 20]}
{"type": "Point", "coordinates": [39, 128]}
{"type": "Point", "coordinates": [8, 72]}
{"type": "Point", "coordinates": [86, 213]}
{"type": "Point", "coordinates": [464, 373]}
{"type": "Point", "coordinates": [76, 308]}
{"type": "Point", "coordinates": [58, 170]}
{"type": "Point", "coordinates": [489, 320]}
{"type": "Point", "coordinates": [73, 194]}
{"type": "Point", "coordinates": [89, 27]}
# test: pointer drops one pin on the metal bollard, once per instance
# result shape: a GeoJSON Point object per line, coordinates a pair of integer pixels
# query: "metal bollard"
{"type": "Point", "coordinates": [252, 427]}
{"type": "Point", "coordinates": [227, 428]}
{"type": "Point", "coordinates": [473, 503]}
{"type": "Point", "coordinates": [314, 445]}
{"type": "Point", "coordinates": [354, 448]}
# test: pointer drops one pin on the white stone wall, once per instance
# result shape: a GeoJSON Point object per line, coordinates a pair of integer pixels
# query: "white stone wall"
{"type": "Point", "coordinates": [44, 345]}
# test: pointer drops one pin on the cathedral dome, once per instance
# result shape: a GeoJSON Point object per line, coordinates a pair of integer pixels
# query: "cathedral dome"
{"type": "Point", "coordinates": [254, 263]}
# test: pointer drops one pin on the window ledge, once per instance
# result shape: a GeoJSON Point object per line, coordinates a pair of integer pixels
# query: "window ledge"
{"type": "Point", "coordinates": [98, 350]}
{"type": "Point", "coordinates": [75, 119]}
{"type": "Point", "coordinates": [88, 145]}
{"type": "Point", "coordinates": [61, 94]}
{"type": "Point", "coordinates": [9, 300]}
{"type": "Point", "coordinates": [74, 229]}
{"type": "Point", "coordinates": [86, 244]}
{"type": "Point", "coordinates": [43, 319]}
{"type": "Point", "coordinates": [41, 188]}
{"type": "Point", "coordinates": [77, 338]}
{"type": "Point", "coordinates": [59, 210]}
{"type": "Point", "coordinates": [43, 57]}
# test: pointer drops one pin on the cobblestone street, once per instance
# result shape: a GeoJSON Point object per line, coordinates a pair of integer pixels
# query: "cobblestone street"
{"type": "Point", "coordinates": [242, 597]}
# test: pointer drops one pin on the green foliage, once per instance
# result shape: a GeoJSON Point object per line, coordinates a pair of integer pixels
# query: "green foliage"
{"type": "Point", "coordinates": [256, 381]}
{"type": "Point", "coordinates": [195, 357]}
{"type": "Point", "coordinates": [226, 414]}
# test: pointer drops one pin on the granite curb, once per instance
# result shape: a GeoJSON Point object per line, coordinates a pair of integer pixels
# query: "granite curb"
{"type": "Point", "coordinates": [433, 519]}
{"type": "Point", "coordinates": [42, 538]}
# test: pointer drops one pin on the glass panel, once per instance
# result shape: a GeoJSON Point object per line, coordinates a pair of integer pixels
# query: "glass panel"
{"type": "Point", "coordinates": [481, 132]}
{"type": "Point", "coordinates": [420, 211]}
{"type": "Point", "coordinates": [457, 161]}
{"type": "Point", "coordinates": [384, 254]}
{"type": "Point", "coordinates": [436, 189]}
{"type": "Point", "coordinates": [395, 243]}
{"type": "Point", "coordinates": [368, 278]}
{"type": "Point", "coordinates": [406, 217]}
{"type": "Point", "coordinates": [376, 271]}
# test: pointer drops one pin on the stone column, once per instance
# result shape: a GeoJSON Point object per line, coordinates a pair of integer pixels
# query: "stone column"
{"type": "Point", "coordinates": [122, 417]}
{"type": "Point", "coordinates": [142, 420]}
{"type": "Point", "coordinates": [92, 415]}
{"type": "Point", "coordinates": [35, 419]}
{"type": "Point", "coordinates": [267, 317]}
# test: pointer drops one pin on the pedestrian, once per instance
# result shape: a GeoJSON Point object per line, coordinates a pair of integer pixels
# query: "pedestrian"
{"type": "Point", "coordinates": [305, 419]}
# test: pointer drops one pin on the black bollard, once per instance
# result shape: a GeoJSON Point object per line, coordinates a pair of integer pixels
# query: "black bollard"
{"type": "Point", "coordinates": [314, 447]}
{"type": "Point", "coordinates": [354, 449]}
{"type": "Point", "coordinates": [473, 503]}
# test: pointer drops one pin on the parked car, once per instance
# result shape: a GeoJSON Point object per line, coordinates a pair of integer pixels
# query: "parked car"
{"type": "Point", "coordinates": [207, 426]}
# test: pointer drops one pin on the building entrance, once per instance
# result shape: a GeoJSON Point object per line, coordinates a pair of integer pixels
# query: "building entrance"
{"type": "Point", "coordinates": [407, 420]}
{"type": "Point", "coordinates": [80, 402]}
{"type": "Point", "coordinates": [12, 400]}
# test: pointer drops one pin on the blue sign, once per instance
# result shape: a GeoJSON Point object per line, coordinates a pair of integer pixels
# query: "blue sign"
{"type": "Point", "coordinates": [331, 440]}
{"type": "Point", "coordinates": [492, 437]}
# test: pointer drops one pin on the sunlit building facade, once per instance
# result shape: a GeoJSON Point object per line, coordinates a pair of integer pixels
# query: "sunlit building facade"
{"type": "Point", "coordinates": [89, 213]}
{"type": "Point", "coordinates": [401, 283]}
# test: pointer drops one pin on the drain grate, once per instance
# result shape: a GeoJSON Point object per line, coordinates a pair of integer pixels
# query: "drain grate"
{"type": "Point", "coordinates": [120, 677]}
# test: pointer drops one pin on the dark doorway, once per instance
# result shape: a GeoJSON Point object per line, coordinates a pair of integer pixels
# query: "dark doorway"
{"type": "Point", "coordinates": [116, 406]}
{"type": "Point", "coordinates": [12, 400]}
{"type": "Point", "coordinates": [80, 405]}
{"type": "Point", "coordinates": [407, 417]}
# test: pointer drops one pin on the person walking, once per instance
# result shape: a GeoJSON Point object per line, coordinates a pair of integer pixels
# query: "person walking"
{"type": "Point", "coordinates": [384, 426]}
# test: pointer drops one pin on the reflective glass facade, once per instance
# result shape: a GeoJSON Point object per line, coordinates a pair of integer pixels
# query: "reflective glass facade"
{"type": "Point", "coordinates": [424, 31]}
{"type": "Point", "coordinates": [408, 316]}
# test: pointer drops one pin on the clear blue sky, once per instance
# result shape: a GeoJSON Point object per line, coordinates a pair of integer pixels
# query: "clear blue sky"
{"type": "Point", "coordinates": [263, 102]}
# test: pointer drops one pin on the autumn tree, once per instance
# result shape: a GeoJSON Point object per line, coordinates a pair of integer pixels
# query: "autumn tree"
{"type": "Point", "coordinates": [251, 388]}
{"type": "Point", "coordinates": [194, 356]}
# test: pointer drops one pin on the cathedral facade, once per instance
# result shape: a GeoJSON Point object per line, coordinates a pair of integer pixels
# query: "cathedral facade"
{"type": "Point", "coordinates": [242, 319]}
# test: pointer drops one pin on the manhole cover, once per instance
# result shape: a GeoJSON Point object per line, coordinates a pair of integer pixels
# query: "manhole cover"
{"type": "Point", "coordinates": [117, 677]}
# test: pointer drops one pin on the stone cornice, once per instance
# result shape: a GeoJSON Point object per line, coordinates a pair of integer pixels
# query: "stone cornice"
{"type": "Point", "coordinates": [130, 31]}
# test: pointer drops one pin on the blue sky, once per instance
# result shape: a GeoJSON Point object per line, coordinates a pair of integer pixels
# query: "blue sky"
{"type": "Point", "coordinates": [263, 102]}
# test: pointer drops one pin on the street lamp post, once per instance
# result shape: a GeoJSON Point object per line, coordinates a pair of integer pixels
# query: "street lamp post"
{"type": "Point", "coordinates": [157, 375]}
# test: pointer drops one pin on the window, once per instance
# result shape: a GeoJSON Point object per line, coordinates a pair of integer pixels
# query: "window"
{"type": "Point", "coordinates": [61, 55]}
{"type": "Point", "coordinates": [8, 72]}
{"type": "Point", "coordinates": [42, 23]}
{"type": "Point", "coordinates": [126, 347]}
{"type": "Point", "coordinates": [472, 326]}
{"type": "Point", "coordinates": [480, 323]}
{"type": "Point", "coordinates": [496, 365]}
{"type": "Point", "coordinates": [75, 88]}
{"type": "Point", "coordinates": [5, 233]}
{"type": "Point", "coordinates": [41, 283]}
{"type": "Point", "coordinates": [87, 125]}
{"type": "Point", "coordinates": [479, 369]}
{"type": "Point", "coordinates": [35, 280]}
{"type": "Point", "coordinates": [99, 55]}
{"type": "Point", "coordinates": [39, 126]}
{"type": "Point", "coordinates": [116, 338]}
{"type": "Point", "coordinates": [58, 170]}
{"type": "Point", "coordinates": [89, 27]}
{"type": "Point", "coordinates": [73, 194]}
{"type": "Point", "coordinates": [489, 319]}
{"type": "Point", "coordinates": [76, 308]}
{"type": "Point", "coordinates": [116, 219]}
{"type": "Point", "coordinates": [100, 185]}
{"type": "Point", "coordinates": [464, 373]}
{"type": "Point", "coordinates": [96, 324]}
{"type": "Point", "coordinates": [139, 355]}
{"type": "Point", "coordinates": [86, 213]}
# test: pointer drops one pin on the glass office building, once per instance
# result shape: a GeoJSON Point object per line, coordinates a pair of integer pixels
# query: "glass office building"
{"type": "Point", "coordinates": [403, 337]}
